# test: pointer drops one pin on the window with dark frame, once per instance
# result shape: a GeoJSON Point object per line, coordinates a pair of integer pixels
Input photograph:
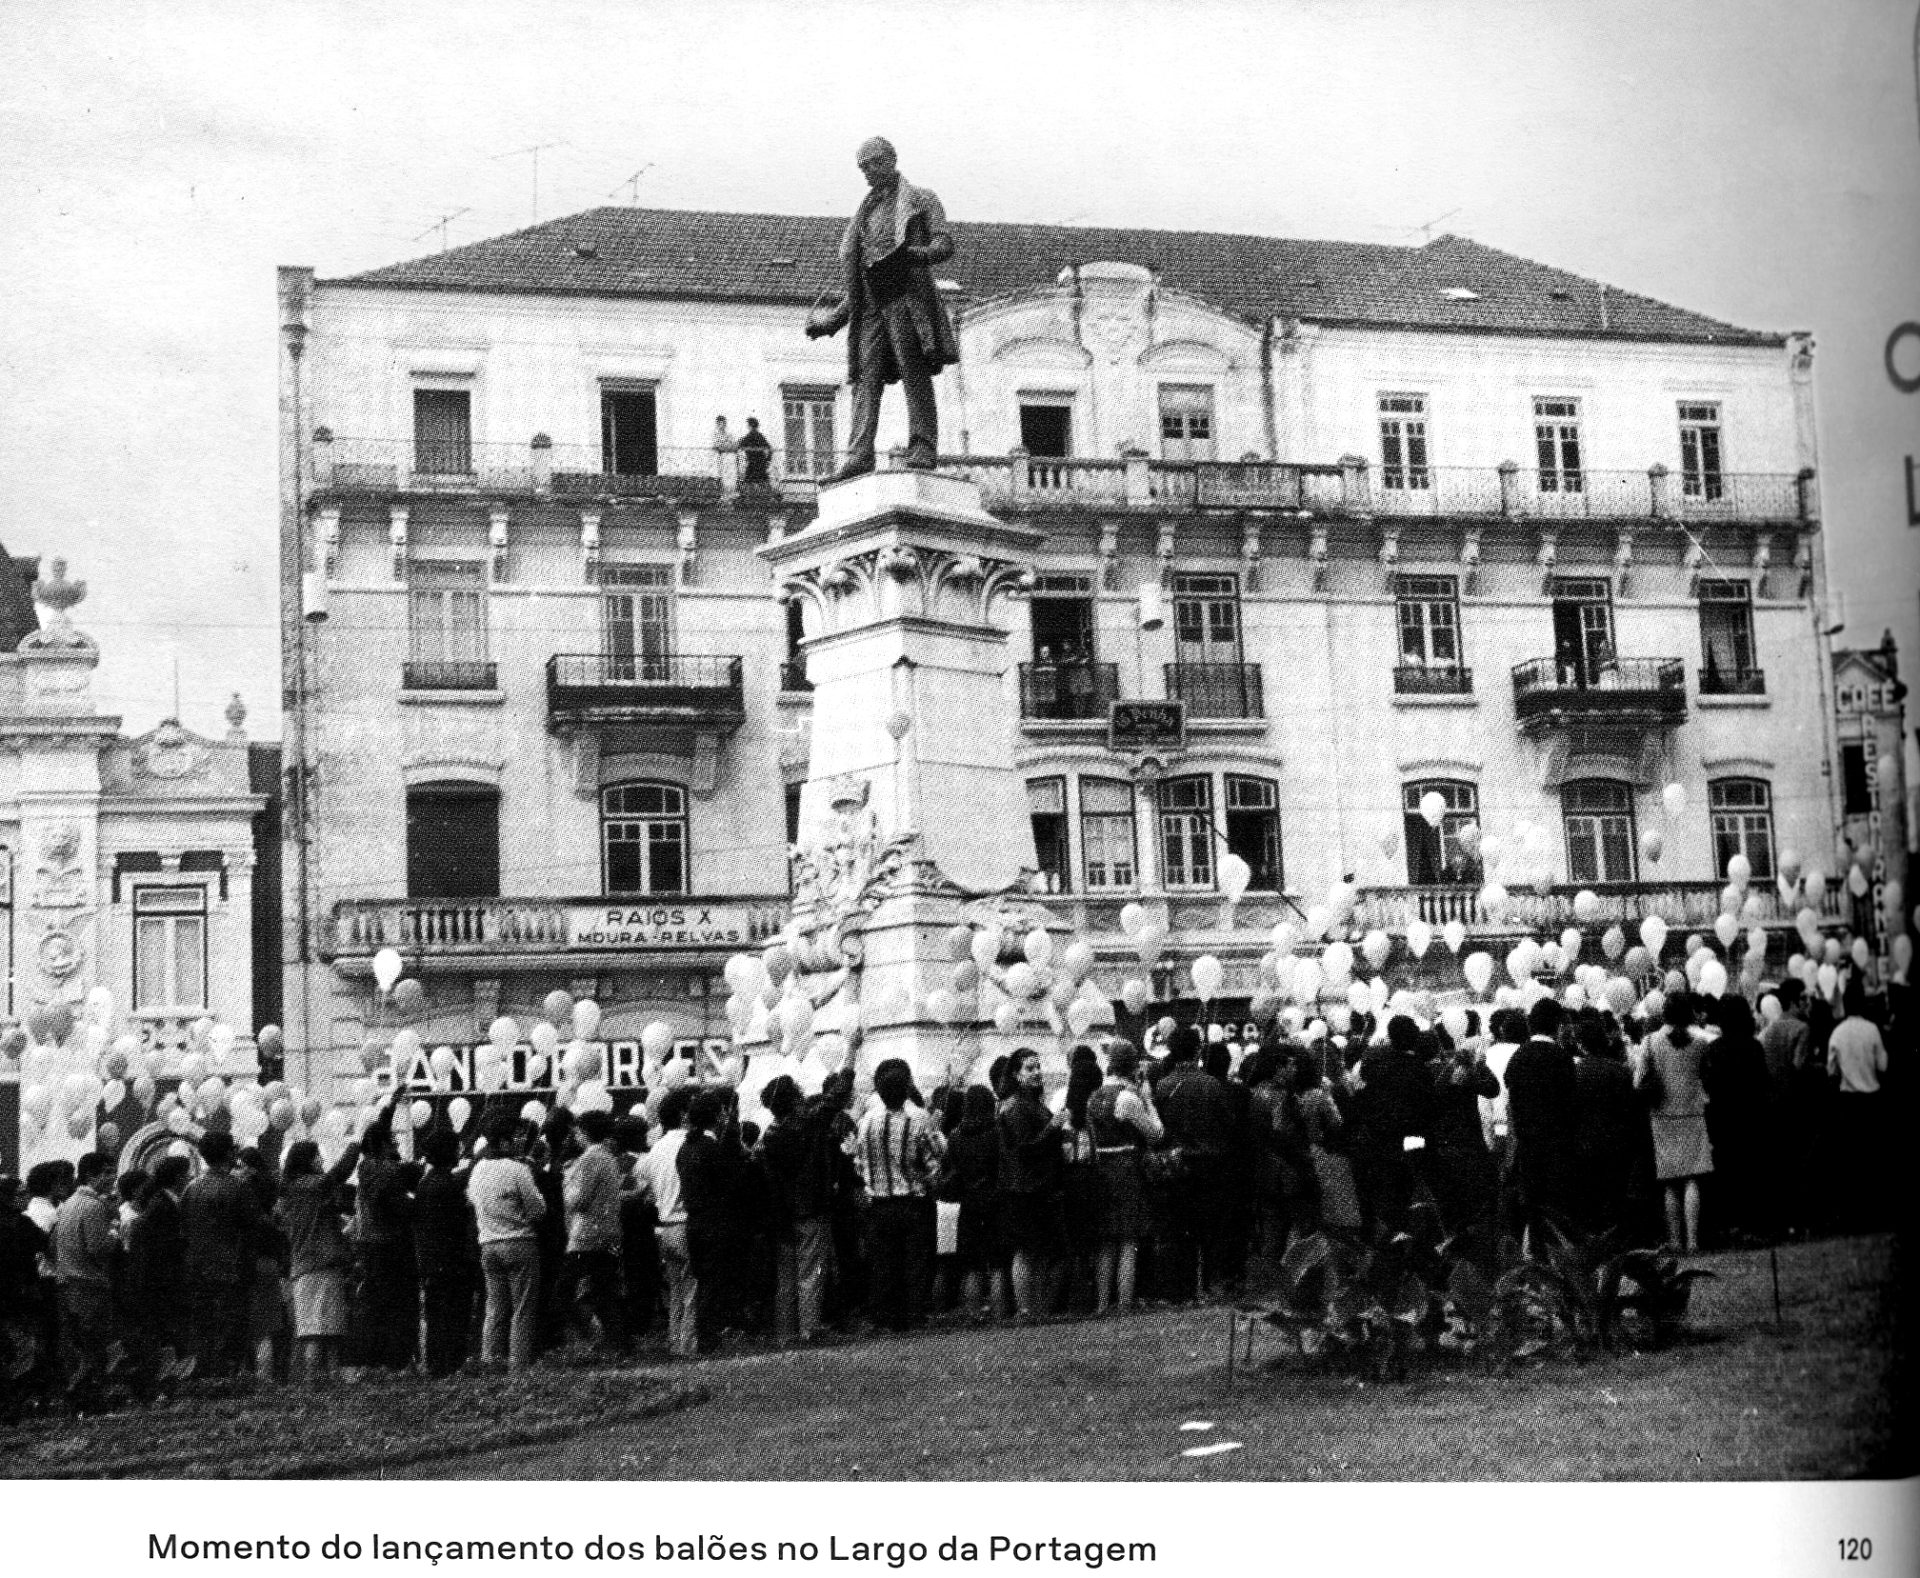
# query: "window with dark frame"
{"type": "Point", "coordinates": [1435, 855]}
{"type": "Point", "coordinates": [1186, 422]}
{"type": "Point", "coordinates": [1046, 429]}
{"type": "Point", "coordinates": [1727, 664]}
{"type": "Point", "coordinates": [810, 443]}
{"type": "Point", "coordinates": [1107, 835]}
{"type": "Point", "coordinates": [1582, 628]}
{"type": "Point", "coordinates": [1047, 805]}
{"type": "Point", "coordinates": [644, 837]}
{"type": "Point", "coordinates": [1429, 609]}
{"type": "Point", "coordinates": [170, 946]}
{"type": "Point", "coordinates": [629, 432]}
{"type": "Point", "coordinates": [1598, 814]}
{"type": "Point", "coordinates": [1253, 829]}
{"type": "Point", "coordinates": [453, 841]}
{"type": "Point", "coordinates": [1186, 832]}
{"type": "Point", "coordinates": [1556, 436]}
{"type": "Point", "coordinates": [443, 432]}
{"type": "Point", "coordinates": [1403, 443]}
{"type": "Point", "coordinates": [447, 624]}
{"type": "Point", "coordinates": [1700, 474]}
{"type": "Point", "coordinates": [1742, 813]}
{"type": "Point", "coordinates": [636, 621]}
{"type": "Point", "coordinates": [1856, 780]}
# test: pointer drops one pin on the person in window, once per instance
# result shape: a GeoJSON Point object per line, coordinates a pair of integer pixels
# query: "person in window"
{"type": "Point", "coordinates": [756, 458]}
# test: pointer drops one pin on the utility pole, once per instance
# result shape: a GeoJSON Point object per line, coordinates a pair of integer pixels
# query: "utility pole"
{"type": "Point", "coordinates": [535, 150]}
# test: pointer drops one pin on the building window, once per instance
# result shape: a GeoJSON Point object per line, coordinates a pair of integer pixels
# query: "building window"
{"type": "Point", "coordinates": [1556, 437]}
{"type": "Point", "coordinates": [1046, 429]}
{"type": "Point", "coordinates": [643, 829]}
{"type": "Point", "coordinates": [1047, 804]}
{"type": "Point", "coordinates": [1403, 442]}
{"type": "Point", "coordinates": [1436, 854]}
{"type": "Point", "coordinates": [447, 625]}
{"type": "Point", "coordinates": [1061, 610]}
{"type": "Point", "coordinates": [1582, 629]}
{"type": "Point", "coordinates": [809, 432]}
{"type": "Point", "coordinates": [629, 439]}
{"type": "Point", "coordinates": [1599, 818]}
{"type": "Point", "coordinates": [793, 814]}
{"type": "Point", "coordinates": [1726, 639]}
{"type": "Point", "coordinates": [1186, 422]}
{"type": "Point", "coordinates": [1742, 810]}
{"type": "Point", "coordinates": [1186, 832]}
{"type": "Point", "coordinates": [636, 615]}
{"type": "Point", "coordinates": [1856, 779]}
{"type": "Point", "coordinates": [1107, 834]}
{"type": "Point", "coordinates": [1429, 621]}
{"type": "Point", "coordinates": [453, 841]}
{"type": "Point", "coordinates": [1206, 618]}
{"type": "Point", "coordinates": [170, 947]}
{"type": "Point", "coordinates": [1253, 829]}
{"type": "Point", "coordinates": [1700, 475]}
{"type": "Point", "coordinates": [443, 432]}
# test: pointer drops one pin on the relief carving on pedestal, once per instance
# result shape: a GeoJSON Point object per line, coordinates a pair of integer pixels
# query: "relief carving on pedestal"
{"type": "Point", "coordinates": [60, 879]}
{"type": "Point", "coordinates": [839, 880]}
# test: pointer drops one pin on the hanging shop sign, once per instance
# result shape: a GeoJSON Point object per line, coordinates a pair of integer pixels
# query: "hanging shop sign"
{"type": "Point", "coordinates": [645, 926]}
{"type": "Point", "coordinates": [1147, 726]}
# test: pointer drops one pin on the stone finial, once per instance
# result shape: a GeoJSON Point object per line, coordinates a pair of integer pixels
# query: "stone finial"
{"type": "Point", "coordinates": [58, 595]}
{"type": "Point", "coordinates": [236, 718]}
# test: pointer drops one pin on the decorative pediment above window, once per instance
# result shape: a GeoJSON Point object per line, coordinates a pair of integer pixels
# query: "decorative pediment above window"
{"type": "Point", "coordinates": [171, 753]}
{"type": "Point", "coordinates": [1187, 356]}
{"type": "Point", "coordinates": [1034, 350]}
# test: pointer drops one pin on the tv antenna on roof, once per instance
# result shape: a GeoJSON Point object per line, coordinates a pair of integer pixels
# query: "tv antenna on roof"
{"type": "Point", "coordinates": [440, 225]}
{"type": "Point", "coordinates": [535, 150]}
{"type": "Point", "coordinates": [632, 186]}
{"type": "Point", "coordinates": [1425, 227]}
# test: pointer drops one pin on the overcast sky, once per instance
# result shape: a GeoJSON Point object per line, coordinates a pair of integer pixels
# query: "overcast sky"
{"type": "Point", "coordinates": [1758, 160]}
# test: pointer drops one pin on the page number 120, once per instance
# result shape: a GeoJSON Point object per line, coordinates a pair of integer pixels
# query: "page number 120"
{"type": "Point", "coordinates": [1856, 1550]}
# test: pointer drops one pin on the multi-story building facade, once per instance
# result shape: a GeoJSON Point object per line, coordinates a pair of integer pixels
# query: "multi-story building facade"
{"type": "Point", "coordinates": [125, 863]}
{"type": "Point", "coordinates": [1389, 523]}
{"type": "Point", "coordinates": [1870, 713]}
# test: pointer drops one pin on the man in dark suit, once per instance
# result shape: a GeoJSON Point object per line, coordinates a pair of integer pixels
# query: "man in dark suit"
{"type": "Point", "coordinates": [220, 1222]}
{"type": "Point", "coordinates": [898, 330]}
{"type": "Point", "coordinates": [1543, 1111]}
{"type": "Point", "coordinates": [1390, 1107]}
{"type": "Point", "coordinates": [156, 1279]}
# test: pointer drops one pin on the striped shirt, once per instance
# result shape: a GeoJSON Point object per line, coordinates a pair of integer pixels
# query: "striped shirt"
{"type": "Point", "coordinates": [897, 1153]}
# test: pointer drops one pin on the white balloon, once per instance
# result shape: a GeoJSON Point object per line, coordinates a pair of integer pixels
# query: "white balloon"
{"type": "Point", "coordinates": [1586, 905]}
{"type": "Point", "coordinates": [1308, 978]}
{"type": "Point", "coordinates": [1652, 845]}
{"type": "Point", "coordinates": [986, 948]}
{"type": "Point", "coordinates": [1359, 997]}
{"type": "Point", "coordinates": [1039, 947]}
{"type": "Point", "coordinates": [1653, 932]}
{"type": "Point", "coordinates": [943, 1005]}
{"type": "Point", "coordinates": [1419, 938]}
{"type": "Point", "coordinates": [1149, 941]}
{"type": "Point", "coordinates": [1375, 946]}
{"type": "Point", "coordinates": [387, 965]}
{"type": "Point", "coordinates": [1433, 807]}
{"type": "Point", "coordinates": [1454, 933]}
{"type": "Point", "coordinates": [1570, 941]}
{"type": "Point", "coordinates": [1713, 978]}
{"type": "Point", "coordinates": [1285, 936]}
{"type": "Point", "coordinates": [1133, 915]}
{"type": "Point", "coordinates": [503, 1035]}
{"type": "Point", "coordinates": [1336, 963]}
{"type": "Point", "coordinates": [656, 1040]}
{"type": "Point", "coordinates": [1726, 928]}
{"type": "Point", "coordinates": [1135, 993]}
{"type": "Point", "coordinates": [1208, 973]}
{"type": "Point", "coordinates": [1493, 900]}
{"type": "Point", "coordinates": [586, 1019]}
{"type": "Point", "coordinates": [1235, 875]}
{"type": "Point", "coordinates": [1674, 798]}
{"type": "Point", "coordinates": [1478, 969]}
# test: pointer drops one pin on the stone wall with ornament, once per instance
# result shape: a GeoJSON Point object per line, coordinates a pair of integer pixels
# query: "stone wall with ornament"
{"type": "Point", "coordinates": [97, 831]}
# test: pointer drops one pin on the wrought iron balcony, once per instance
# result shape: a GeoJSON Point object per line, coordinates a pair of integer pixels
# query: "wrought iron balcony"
{"type": "Point", "coordinates": [1438, 679]}
{"type": "Point", "coordinates": [1626, 692]}
{"type": "Point", "coordinates": [1217, 690]}
{"type": "Point", "coordinates": [449, 674]}
{"type": "Point", "coordinates": [588, 688]}
{"type": "Point", "coordinates": [1068, 692]}
{"type": "Point", "coordinates": [1717, 681]}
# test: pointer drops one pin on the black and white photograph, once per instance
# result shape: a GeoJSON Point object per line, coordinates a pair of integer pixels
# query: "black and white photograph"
{"type": "Point", "coordinates": [747, 747]}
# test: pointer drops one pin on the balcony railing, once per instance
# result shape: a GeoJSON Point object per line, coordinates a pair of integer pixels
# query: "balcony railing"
{"type": "Point", "coordinates": [1217, 690]}
{"type": "Point", "coordinates": [1068, 692]}
{"type": "Point", "coordinates": [1683, 905]}
{"type": "Point", "coordinates": [532, 927]}
{"type": "Point", "coordinates": [596, 687]}
{"type": "Point", "coordinates": [1717, 681]}
{"type": "Point", "coordinates": [449, 674]}
{"type": "Point", "coordinates": [1438, 679]}
{"type": "Point", "coordinates": [1630, 691]}
{"type": "Point", "coordinates": [703, 474]}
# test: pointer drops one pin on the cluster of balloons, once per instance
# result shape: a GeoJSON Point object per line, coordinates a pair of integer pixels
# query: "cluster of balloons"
{"type": "Point", "coordinates": [1013, 975]}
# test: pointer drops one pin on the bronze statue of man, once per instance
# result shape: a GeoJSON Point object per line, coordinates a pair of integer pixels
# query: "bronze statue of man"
{"type": "Point", "coordinates": [898, 330]}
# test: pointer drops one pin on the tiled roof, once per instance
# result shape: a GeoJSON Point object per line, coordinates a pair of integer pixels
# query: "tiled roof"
{"type": "Point", "coordinates": [1450, 283]}
{"type": "Point", "coordinates": [19, 618]}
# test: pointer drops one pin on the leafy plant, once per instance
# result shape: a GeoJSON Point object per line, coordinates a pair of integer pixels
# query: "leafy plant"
{"type": "Point", "coordinates": [1578, 1293]}
{"type": "Point", "coordinates": [1362, 1304]}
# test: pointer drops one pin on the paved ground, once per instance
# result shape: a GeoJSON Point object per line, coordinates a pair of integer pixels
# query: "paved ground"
{"type": "Point", "coordinates": [1740, 1399]}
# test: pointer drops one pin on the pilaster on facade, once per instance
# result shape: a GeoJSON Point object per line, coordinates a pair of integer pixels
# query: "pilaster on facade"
{"type": "Point", "coordinates": [1166, 546]}
{"type": "Point", "coordinates": [1547, 556]}
{"type": "Point", "coordinates": [1250, 524]}
{"type": "Point", "coordinates": [497, 544]}
{"type": "Point", "coordinates": [590, 546]}
{"type": "Point", "coordinates": [1108, 555]}
{"type": "Point", "coordinates": [1470, 560]}
{"type": "Point", "coordinates": [1389, 553]}
{"type": "Point", "coordinates": [1622, 558]}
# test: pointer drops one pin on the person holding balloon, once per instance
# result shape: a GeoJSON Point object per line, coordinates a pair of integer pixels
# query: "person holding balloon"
{"type": "Point", "coordinates": [319, 1257]}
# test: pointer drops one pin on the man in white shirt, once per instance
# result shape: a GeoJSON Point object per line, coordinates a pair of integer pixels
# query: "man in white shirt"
{"type": "Point", "coordinates": [507, 1209]}
{"type": "Point", "coordinates": [657, 1176]}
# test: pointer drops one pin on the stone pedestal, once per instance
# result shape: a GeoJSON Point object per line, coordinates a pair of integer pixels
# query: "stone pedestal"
{"type": "Point", "coordinates": [913, 819]}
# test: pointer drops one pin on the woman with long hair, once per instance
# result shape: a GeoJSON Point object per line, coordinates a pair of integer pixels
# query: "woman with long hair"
{"type": "Point", "coordinates": [1123, 1126]}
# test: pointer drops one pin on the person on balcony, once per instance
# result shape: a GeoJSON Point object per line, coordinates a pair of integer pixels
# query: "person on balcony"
{"type": "Point", "coordinates": [898, 330]}
{"type": "Point", "coordinates": [756, 458]}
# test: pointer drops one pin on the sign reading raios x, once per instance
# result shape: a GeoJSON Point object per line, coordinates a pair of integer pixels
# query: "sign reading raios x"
{"type": "Point", "coordinates": [659, 926]}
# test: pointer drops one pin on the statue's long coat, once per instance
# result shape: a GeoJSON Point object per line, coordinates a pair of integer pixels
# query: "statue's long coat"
{"type": "Point", "coordinates": [918, 217]}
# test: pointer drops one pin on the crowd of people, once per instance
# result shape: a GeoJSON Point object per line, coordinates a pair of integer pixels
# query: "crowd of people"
{"type": "Point", "coordinates": [1166, 1176]}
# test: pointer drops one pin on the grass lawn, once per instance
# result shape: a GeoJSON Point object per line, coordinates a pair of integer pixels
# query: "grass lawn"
{"type": "Point", "coordinates": [1737, 1399]}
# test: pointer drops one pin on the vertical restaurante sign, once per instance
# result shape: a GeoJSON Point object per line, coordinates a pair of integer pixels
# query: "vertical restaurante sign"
{"type": "Point", "coordinates": [659, 926]}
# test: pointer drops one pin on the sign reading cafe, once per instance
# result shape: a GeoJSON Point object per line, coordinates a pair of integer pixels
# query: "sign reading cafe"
{"type": "Point", "coordinates": [653, 925]}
